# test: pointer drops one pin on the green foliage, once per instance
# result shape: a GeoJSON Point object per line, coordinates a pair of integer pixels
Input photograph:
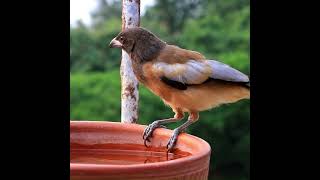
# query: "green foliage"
{"type": "Point", "coordinates": [89, 48]}
{"type": "Point", "coordinates": [172, 13]}
{"type": "Point", "coordinates": [95, 96]}
{"type": "Point", "coordinates": [106, 10]}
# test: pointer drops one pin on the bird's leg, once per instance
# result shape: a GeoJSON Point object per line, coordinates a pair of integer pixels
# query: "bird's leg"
{"type": "Point", "coordinates": [158, 123]}
{"type": "Point", "coordinates": [193, 116]}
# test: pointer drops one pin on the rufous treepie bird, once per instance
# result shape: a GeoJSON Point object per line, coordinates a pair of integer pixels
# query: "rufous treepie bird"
{"type": "Point", "coordinates": [184, 79]}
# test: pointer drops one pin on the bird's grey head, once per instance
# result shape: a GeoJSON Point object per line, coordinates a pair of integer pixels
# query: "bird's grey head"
{"type": "Point", "coordinates": [138, 42]}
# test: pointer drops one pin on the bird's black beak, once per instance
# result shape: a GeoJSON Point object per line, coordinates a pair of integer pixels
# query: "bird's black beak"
{"type": "Point", "coordinates": [115, 44]}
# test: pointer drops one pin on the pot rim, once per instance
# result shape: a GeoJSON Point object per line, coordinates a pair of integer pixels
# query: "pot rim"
{"type": "Point", "coordinates": [201, 153]}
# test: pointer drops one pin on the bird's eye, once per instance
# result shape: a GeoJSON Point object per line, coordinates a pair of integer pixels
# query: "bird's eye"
{"type": "Point", "coordinates": [121, 38]}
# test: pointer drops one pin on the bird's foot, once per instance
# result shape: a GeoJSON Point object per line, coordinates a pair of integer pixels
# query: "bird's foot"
{"type": "Point", "coordinates": [149, 130]}
{"type": "Point", "coordinates": [173, 139]}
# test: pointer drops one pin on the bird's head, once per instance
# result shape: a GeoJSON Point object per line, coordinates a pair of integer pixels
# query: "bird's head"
{"type": "Point", "coordinates": [138, 42]}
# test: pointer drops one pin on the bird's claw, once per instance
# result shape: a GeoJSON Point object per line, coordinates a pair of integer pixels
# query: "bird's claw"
{"type": "Point", "coordinates": [145, 142]}
{"type": "Point", "coordinates": [173, 139]}
{"type": "Point", "coordinates": [149, 130]}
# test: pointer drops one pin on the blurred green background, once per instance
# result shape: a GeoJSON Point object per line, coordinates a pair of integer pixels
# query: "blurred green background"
{"type": "Point", "coordinates": [219, 29]}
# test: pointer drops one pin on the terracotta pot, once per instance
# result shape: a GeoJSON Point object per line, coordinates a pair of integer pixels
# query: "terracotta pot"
{"type": "Point", "coordinates": [130, 162]}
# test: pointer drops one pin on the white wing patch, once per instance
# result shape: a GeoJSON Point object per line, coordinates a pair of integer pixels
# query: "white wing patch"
{"type": "Point", "coordinates": [225, 72]}
{"type": "Point", "coordinates": [196, 72]}
{"type": "Point", "coordinates": [192, 72]}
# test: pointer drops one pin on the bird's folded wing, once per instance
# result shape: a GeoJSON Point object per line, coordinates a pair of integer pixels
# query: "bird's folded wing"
{"type": "Point", "coordinates": [191, 72]}
{"type": "Point", "coordinates": [197, 72]}
{"type": "Point", "coordinates": [224, 72]}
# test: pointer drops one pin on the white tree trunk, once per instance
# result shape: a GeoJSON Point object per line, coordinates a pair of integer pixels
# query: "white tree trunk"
{"type": "Point", "coordinates": [129, 83]}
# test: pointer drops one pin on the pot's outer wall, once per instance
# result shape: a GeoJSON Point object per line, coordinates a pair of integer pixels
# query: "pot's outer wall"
{"type": "Point", "coordinates": [194, 167]}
